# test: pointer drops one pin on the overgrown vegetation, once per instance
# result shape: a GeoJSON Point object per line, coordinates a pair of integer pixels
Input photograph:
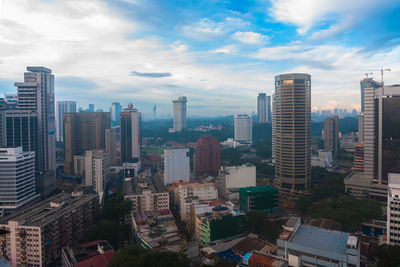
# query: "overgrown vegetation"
{"type": "Point", "coordinates": [111, 225]}
{"type": "Point", "coordinates": [259, 223]}
{"type": "Point", "coordinates": [136, 256]}
{"type": "Point", "coordinates": [327, 200]}
{"type": "Point", "coordinates": [387, 255]}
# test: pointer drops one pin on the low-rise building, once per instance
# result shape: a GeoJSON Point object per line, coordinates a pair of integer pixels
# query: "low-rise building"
{"type": "Point", "coordinates": [36, 234]}
{"type": "Point", "coordinates": [259, 198]}
{"type": "Point", "coordinates": [156, 230]}
{"type": "Point", "coordinates": [393, 209]}
{"type": "Point", "coordinates": [96, 253]}
{"type": "Point", "coordinates": [231, 178]}
{"type": "Point", "coordinates": [146, 192]}
{"type": "Point", "coordinates": [192, 193]}
{"type": "Point", "coordinates": [219, 226]}
{"type": "Point", "coordinates": [304, 245]}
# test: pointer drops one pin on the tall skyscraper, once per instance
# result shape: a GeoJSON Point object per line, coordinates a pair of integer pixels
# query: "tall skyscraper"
{"type": "Point", "coordinates": [243, 129]}
{"type": "Point", "coordinates": [17, 183]}
{"type": "Point", "coordinates": [130, 134]}
{"type": "Point", "coordinates": [36, 94]}
{"type": "Point", "coordinates": [367, 83]}
{"type": "Point", "coordinates": [292, 127]}
{"type": "Point", "coordinates": [91, 108]}
{"type": "Point", "coordinates": [111, 146]}
{"type": "Point", "coordinates": [330, 135]}
{"type": "Point", "coordinates": [263, 108]}
{"type": "Point", "coordinates": [61, 108]}
{"type": "Point", "coordinates": [179, 113]}
{"type": "Point", "coordinates": [381, 143]}
{"type": "Point", "coordinates": [83, 132]}
{"type": "Point", "coordinates": [116, 108]}
{"type": "Point", "coordinates": [207, 157]}
{"type": "Point", "coordinates": [273, 128]}
{"type": "Point", "coordinates": [155, 112]}
{"type": "Point", "coordinates": [381, 133]}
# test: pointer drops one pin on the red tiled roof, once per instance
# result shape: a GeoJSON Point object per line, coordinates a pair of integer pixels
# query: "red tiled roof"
{"type": "Point", "coordinates": [96, 261]}
{"type": "Point", "coordinates": [154, 157]}
{"type": "Point", "coordinates": [258, 260]}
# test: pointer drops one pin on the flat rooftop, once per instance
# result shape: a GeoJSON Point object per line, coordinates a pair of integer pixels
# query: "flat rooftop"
{"type": "Point", "coordinates": [321, 239]}
{"type": "Point", "coordinates": [136, 185]}
{"type": "Point", "coordinates": [42, 213]}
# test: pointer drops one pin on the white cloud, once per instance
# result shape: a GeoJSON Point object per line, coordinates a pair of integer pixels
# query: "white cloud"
{"type": "Point", "coordinates": [250, 37]}
{"type": "Point", "coordinates": [207, 29]}
{"type": "Point", "coordinates": [228, 49]}
{"type": "Point", "coordinates": [306, 14]}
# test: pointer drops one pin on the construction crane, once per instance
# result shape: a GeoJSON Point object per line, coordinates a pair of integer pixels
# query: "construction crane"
{"type": "Point", "coordinates": [367, 73]}
{"type": "Point", "coordinates": [381, 70]}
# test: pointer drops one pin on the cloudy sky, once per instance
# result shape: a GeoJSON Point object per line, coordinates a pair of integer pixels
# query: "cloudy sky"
{"type": "Point", "coordinates": [219, 53]}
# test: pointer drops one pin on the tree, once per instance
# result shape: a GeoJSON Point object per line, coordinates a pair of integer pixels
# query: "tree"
{"type": "Point", "coordinates": [104, 230]}
{"type": "Point", "coordinates": [116, 207]}
{"type": "Point", "coordinates": [136, 256]}
{"type": "Point", "coordinates": [387, 255]}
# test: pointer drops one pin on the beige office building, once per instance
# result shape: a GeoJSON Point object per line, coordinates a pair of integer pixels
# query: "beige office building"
{"type": "Point", "coordinates": [292, 130]}
{"type": "Point", "coordinates": [83, 132]}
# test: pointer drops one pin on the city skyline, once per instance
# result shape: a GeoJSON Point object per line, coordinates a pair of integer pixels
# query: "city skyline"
{"type": "Point", "coordinates": [219, 61]}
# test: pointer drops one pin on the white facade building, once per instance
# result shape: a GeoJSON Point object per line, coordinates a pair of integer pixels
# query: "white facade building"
{"type": "Point", "coordinates": [179, 113]}
{"type": "Point", "coordinates": [97, 170]}
{"type": "Point", "coordinates": [61, 108]}
{"type": "Point", "coordinates": [176, 165]}
{"type": "Point", "coordinates": [17, 178]}
{"type": "Point", "coordinates": [393, 209]}
{"type": "Point", "coordinates": [193, 193]}
{"type": "Point", "coordinates": [243, 129]}
{"type": "Point", "coordinates": [235, 177]}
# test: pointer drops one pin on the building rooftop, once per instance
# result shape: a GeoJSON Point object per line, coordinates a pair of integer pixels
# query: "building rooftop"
{"type": "Point", "coordinates": [248, 244]}
{"type": "Point", "coordinates": [157, 229]}
{"type": "Point", "coordinates": [145, 181]}
{"type": "Point", "coordinates": [95, 253]}
{"type": "Point", "coordinates": [49, 209]}
{"type": "Point", "coordinates": [321, 239]}
{"type": "Point", "coordinates": [258, 189]}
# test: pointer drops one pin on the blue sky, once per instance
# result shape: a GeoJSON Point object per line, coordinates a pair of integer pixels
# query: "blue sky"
{"type": "Point", "coordinates": [220, 54]}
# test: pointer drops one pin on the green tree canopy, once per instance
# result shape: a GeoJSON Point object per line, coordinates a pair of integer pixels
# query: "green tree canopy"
{"type": "Point", "coordinates": [136, 256]}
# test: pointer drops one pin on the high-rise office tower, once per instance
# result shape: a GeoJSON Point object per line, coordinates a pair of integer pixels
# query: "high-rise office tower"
{"type": "Point", "coordinates": [91, 108]}
{"type": "Point", "coordinates": [116, 108]}
{"type": "Point", "coordinates": [367, 83]}
{"type": "Point", "coordinates": [273, 128]}
{"type": "Point", "coordinates": [381, 133]}
{"type": "Point", "coordinates": [361, 127]}
{"type": "Point", "coordinates": [381, 143]}
{"type": "Point", "coordinates": [155, 112]}
{"type": "Point", "coordinates": [17, 183]}
{"type": "Point", "coordinates": [179, 113]}
{"type": "Point", "coordinates": [243, 129]}
{"type": "Point", "coordinates": [111, 145]}
{"type": "Point", "coordinates": [61, 108]}
{"type": "Point", "coordinates": [207, 157]}
{"type": "Point", "coordinates": [130, 134]}
{"type": "Point", "coordinates": [263, 108]}
{"type": "Point", "coordinates": [292, 127]}
{"type": "Point", "coordinates": [36, 94]}
{"type": "Point", "coordinates": [83, 132]}
{"type": "Point", "coordinates": [97, 170]}
{"type": "Point", "coordinates": [330, 135]}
